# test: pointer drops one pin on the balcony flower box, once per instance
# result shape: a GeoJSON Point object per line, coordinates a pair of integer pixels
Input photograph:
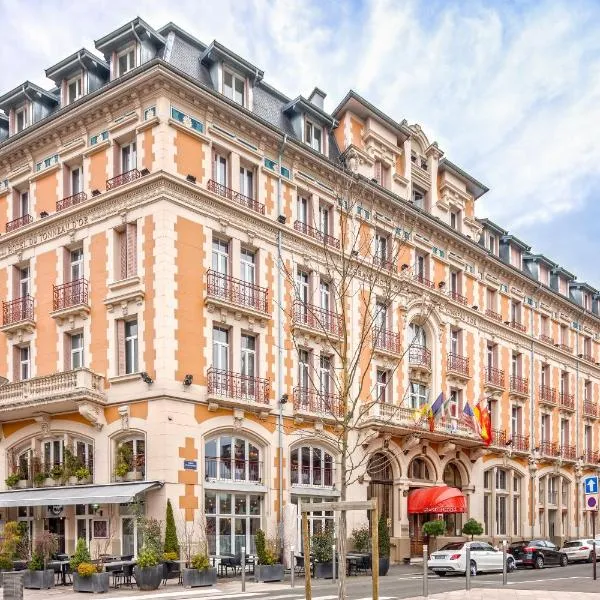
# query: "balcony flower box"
{"type": "Point", "coordinates": [199, 577]}
{"type": "Point", "coordinates": [38, 580]}
{"type": "Point", "coordinates": [97, 583]}
{"type": "Point", "coordinates": [50, 482]}
{"type": "Point", "coordinates": [133, 476]}
{"type": "Point", "coordinates": [263, 573]}
{"type": "Point", "coordinates": [23, 483]}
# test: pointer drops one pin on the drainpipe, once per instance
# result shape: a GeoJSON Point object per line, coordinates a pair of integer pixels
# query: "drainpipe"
{"type": "Point", "coordinates": [83, 76]}
{"type": "Point", "coordinates": [137, 37]}
{"type": "Point", "coordinates": [280, 322]}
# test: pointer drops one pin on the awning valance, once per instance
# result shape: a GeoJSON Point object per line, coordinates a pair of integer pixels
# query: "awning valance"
{"type": "Point", "coordinates": [439, 499]}
{"type": "Point", "coordinates": [112, 493]}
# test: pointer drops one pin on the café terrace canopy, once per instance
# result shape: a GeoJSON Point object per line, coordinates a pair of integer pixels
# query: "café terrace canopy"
{"type": "Point", "coordinates": [113, 493]}
{"type": "Point", "coordinates": [437, 500]}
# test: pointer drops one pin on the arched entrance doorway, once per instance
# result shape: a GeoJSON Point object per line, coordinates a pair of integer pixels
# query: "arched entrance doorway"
{"type": "Point", "coordinates": [453, 478]}
{"type": "Point", "coordinates": [419, 471]}
{"type": "Point", "coordinates": [381, 485]}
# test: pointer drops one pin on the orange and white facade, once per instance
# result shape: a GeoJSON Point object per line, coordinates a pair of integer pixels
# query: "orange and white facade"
{"type": "Point", "coordinates": [141, 204]}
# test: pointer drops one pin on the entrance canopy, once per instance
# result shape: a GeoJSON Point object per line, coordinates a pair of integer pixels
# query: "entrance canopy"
{"type": "Point", "coordinates": [113, 493]}
{"type": "Point", "coordinates": [439, 499]}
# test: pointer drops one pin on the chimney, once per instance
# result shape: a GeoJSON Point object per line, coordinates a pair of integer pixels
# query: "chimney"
{"type": "Point", "coordinates": [317, 96]}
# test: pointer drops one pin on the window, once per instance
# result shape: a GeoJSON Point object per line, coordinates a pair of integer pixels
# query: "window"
{"type": "Point", "coordinates": [419, 395]}
{"type": "Point", "coordinates": [220, 169]}
{"type": "Point", "coordinates": [221, 348]}
{"type": "Point", "coordinates": [491, 355]}
{"type": "Point", "coordinates": [516, 416]}
{"type": "Point", "coordinates": [382, 386]}
{"type": "Point", "coordinates": [248, 268]}
{"type": "Point", "coordinates": [587, 348]}
{"type": "Point", "coordinates": [130, 458]}
{"type": "Point", "coordinates": [131, 347]}
{"type": "Point", "coordinates": [21, 119]}
{"type": "Point", "coordinates": [74, 89]}
{"type": "Point", "coordinates": [564, 335]}
{"type": "Point", "coordinates": [515, 312]}
{"type": "Point", "coordinates": [128, 157]}
{"type": "Point", "coordinates": [233, 87]}
{"type": "Point", "coordinates": [230, 458]}
{"type": "Point", "coordinates": [381, 174]}
{"type": "Point", "coordinates": [303, 369]}
{"type": "Point", "coordinates": [24, 282]}
{"type": "Point", "coordinates": [564, 382]}
{"type": "Point", "coordinates": [454, 404]}
{"type": "Point", "coordinates": [545, 375]}
{"type": "Point", "coordinates": [76, 264]}
{"type": "Point", "coordinates": [76, 348]}
{"type": "Point", "coordinates": [515, 364]}
{"type": "Point", "coordinates": [418, 469]}
{"type": "Point", "coordinates": [24, 363]}
{"type": "Point", "coordinates": [311, 466]}
{"type": "Point", "coordinates": [380, 321]}
{"type": "Point", "coordinates": [417, 335]}
{"type": "Point", "coordinates": [325, 295]}
{"type": "Point", "coordinates": [421, 266]}
{"type": "Point", "coordinates": [52, 453]}
{"type": "Point", "coordinates": [544, 325]}
{"type": "Point", "coordinates": [220, 256]}
{"type": "Point", "coordinates": [381, 248]}
{"type": "Point", "coordinates": [505, 496]}
{"type": "Point", "coordinates": [455, 342]}
{"type": "Point", "coordinates": [587, 437]}
{"type": "Point", "coordinates": [545, 428]}
{"type": "Point", "coordinates": [491, 299]}
{"type": "Point", "coordinates": [492, 243]}
{"type": "Point", "coordinates": [76, 178]}
{"type": "Point", "coordinates": [325, 383]}
{"type": "Point", "coordinates": [23, 207]}
{"type": "Point", "coordinates": [313, 135]}
{"type": "Point", "coordinates": [127, 251]}
{"type": "Point", "coordinates": [302, 209]}
{"type": "Point", "coordinates": [126, 61]}
{"type": "Point", "coordinates": [247, 182]}
{"type": "Point", "coordinates": [587, 391]}
{"type": "Point", "coordinates": [455, 219]}
{"type": "Point", "coordinates": [302, 286]}
{"type": "Point", "coordinates": [455, 287]}
{"type": "Point", "coordinates": [418, 198]}
{"type": "Point", "coordinates": [318, 521]}
{"type": "Point", "coordinates": [248, 365]}
{"type": "Point", "coordinates": [324, 216]}
{"type": "Point", "coordinates": [564, 432]}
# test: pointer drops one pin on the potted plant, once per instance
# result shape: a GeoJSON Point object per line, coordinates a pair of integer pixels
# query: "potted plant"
{"type": "Point", "coordinates": [323, 553]}
{"type": "Point", "coordinates": [149, 571]}
{"type": "Point", "coordinates": [12, 480]}
{"type": "Point", "coordinates": [23, 480]}
{"type": "Point", "coordinates": [472, 527]}
{"type": "Point", "coordinates": [171, 545]}
{"type": "Point", "coordinates": [38, 576]}
{"type": "Point", "coordinates": [124, 461]}
{"type": "Point", "coordinates": [83, 475]}
{"type": "Point", "coordinates": [200, 574]}
{"type": "Point", "coordinates": [384, 546]}
{"type": "Point", "coordinates": [120, 471]}
{"type": "Point", "coordinates": [433, 529]}
{"type": "Point", "coordinates": [361, 539]}
{"type": "Point", "coordinates": [86, 576]}
{"type": "Point", "coordinates": [70, 466]}
{"type": "Point", "coordinates": [268, 567]}
{"type": "Point", "coordinates": [8, 547]}
{"type": "Point", "coordinates": [40, 479]}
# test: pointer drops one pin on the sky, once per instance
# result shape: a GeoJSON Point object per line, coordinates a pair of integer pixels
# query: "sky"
{"type": "Point", "coordinates": [509, 89]}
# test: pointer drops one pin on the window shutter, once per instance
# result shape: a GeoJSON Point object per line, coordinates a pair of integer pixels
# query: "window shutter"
{"type": "Point", "coordinates": [131, 249]}
{"type": "Point", "coordinates": [121, 347]}
{"type": "Point", "coordinates": [16, 283]}
{"type": "Point", "coordinates": [67, 348]}
{"type": "Point", "coordinates": [66, 265]}
{"type": "Point", "coordinates": [16, 363]}
{"type": "Point", "coordinates": [117, 161]}
{"type": "Point", "coordinates": [122, 243]}
{"type": "Point", "coordinates": [214, 166]}
{"type": "Point", "coordinates": [378, 172]}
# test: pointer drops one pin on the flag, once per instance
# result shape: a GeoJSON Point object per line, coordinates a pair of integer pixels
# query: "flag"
{"type": "Point", "coordinates": [436, 409]}
{"type": "Point", "coordinates": [423, 412]}
{"type": "Point", "coordinates": [469, 417]}
{"type": "Point", "coordinates": [483, 419]}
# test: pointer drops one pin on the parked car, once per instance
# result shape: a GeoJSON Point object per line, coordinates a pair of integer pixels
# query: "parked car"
{"type": "Point", "coordinates": [581, 549]}
{"type": "Point", "coordinates": [452, 559]}
{"type": "Point", "coordinates": [537, 554]}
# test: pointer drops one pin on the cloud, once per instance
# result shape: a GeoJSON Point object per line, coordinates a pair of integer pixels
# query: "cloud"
{"type": "Point", "coordinates": [511, 91]}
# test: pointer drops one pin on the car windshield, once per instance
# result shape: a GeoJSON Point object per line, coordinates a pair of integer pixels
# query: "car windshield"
{"type": "Point", "coordinates": [453, 546]}
{"type": "Point", "coordinates": [518, 544]}
{"type": "Point", "coordinates": [572, 544]}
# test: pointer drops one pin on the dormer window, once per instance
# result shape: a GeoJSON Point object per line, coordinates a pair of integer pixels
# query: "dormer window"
{"type": "Point", "coordinates": [75, 89]}
{"type": "Point", "coordinates": [418, 198]}
{"type": "Point", "coordinates": [455, 220]}
{"type": "Point", "coordinates": [492, 243]}
{"type": "Point", "coordinates": [313, 135]}
{"type": "Point", "coordinates": [233, 87]}
{"type": "Point", "coordinates": [21, 119]}
{"type": "Point", "coordinates": [126, 61]}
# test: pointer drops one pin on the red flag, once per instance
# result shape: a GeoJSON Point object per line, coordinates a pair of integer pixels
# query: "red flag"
{"type": "Point", "coordinates": [484, 420]}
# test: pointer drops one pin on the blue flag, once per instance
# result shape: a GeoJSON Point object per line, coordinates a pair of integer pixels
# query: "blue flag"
{"type": "Point", "coordinates": [436, 407]}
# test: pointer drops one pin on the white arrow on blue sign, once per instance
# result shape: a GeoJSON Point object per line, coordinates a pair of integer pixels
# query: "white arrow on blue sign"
{"type": "Point", "coordinates": [590, 484]}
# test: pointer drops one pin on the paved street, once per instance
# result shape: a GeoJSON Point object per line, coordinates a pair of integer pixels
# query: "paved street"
{"type": "Point", "coordinates": [402, 582]}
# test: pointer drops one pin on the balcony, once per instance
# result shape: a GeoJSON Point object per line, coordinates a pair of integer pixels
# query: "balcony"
{"type": "Point", "coordinates": [70, 201]}
{"type": "Point", "coordinates": [492, 314]}
{"type": "Point", "coordinates": [419, 359]}
{"type": "Point", "coordinates": [567, 452]}
{"type": "Point", "coordinates": [18, 223]}
{"type": "Point", "coordinates": [566, 401]}
{"type": "Point", "coordinates": [233, 470]}
{"type": "Point", "coordinates": [381, 262]}
{"type": "Point", "coordinates": [546, 339]}
{"type": "Point", "coordinates": [590, 409]}
{"type": "Point", "coordinates": [232, 389]}
{"type": "Point", "coordinates": [421, 279]}
{"type": "Point", "coordinates": [129, 466]}
{"type": "Point", "coordinates": [549, 449]}
{"type": "Point", "coordinates": [499, 438]}
{"type": "Point", "coordinates": [236, 197]}
{"type": "Point", "coordinates": [458, 366]}
{"type": "Point", "coordinates": [122, 179]}
{"type": "Point", "coordinates": [519, 443]}
{"type": "Point", "coordinates": [17, 315]}
{"type": "Point", "coordinates": [60, 392]}
{"type": "Point", "coordinates": [316, 234]}
{"type": "Point", "coordinates": [518, 326]}
{"type": "Point", "coordinates": [316, 476]}
{"type": "Point", "coordinates": [317, 320]}
{"type": "Point", "coordinates": [591, 457]}
{"type": "Point", "coordinates": [70, 299]}
{"type": "Point", "coordinates": [386, 341]}
{"type": "Point", "coordinates": [313, 402]}
{"type": "Point", "coordinates": [223, 290]}
{"type": "Point", "coordinates": [587, 357]}
{"type": "Point", "coordinates": [547, 395]}
{"type": "Point", "coordinates": [458, 297]}
{"type": "Point", "coordinates": [40, 474]}
{"type": "Point", "coordinates": [564, 348]}
{"type": "Point", "coordinates": [494, 379]}
{"type": "Point", "coordinates": [519, 387]}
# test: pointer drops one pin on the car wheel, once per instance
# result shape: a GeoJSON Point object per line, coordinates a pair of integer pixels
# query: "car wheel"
{"type": "Point", "coordinates": [564, 560]}
{"type": "Point", "coordinates": [510, 565]}
{"type": "Point", "coordinates": [473, 568]}
{"type": "Point", "coordinates": [539, 562]}
{"type": "Point", "coordinates": [590, 557]}
{"type": "Point", "coordinates": [442, 573]}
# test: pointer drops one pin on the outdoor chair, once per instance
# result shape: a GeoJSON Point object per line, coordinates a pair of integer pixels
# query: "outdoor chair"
{"type": "Point", "coordinates": [299, 566]}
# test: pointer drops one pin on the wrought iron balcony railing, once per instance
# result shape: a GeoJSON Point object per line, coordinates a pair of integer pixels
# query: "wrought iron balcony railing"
{"type": "Point", "coordinates": [122, 179]}
{"type": "Point", "coordinates": [519, 442]}
{"type": "Point", "coordinates": [567, 452]}
{"type": "Point", "coordinates": [494, 377]}
{"type": "Point", "coordinates": [316, 234]}
{"type": "Point", "coordinates": [458, 297]}
{"type": "Point", "coordinates": [458, 364]}
{"type": "Point", "coordinates": [315, 476]}
{"type": "Point", "coordinates": [549, 449]}
{"type": "Point", "coordinates": [245, 388]}
{"type": "Point", "coordinates": [590, 408]}
{"type": "Point", "coordinates": [233, 469]}
{"type": "Point", "coordinates": [236, 197]}
{"type": "Point", "coordinates": [547, 394]}
{"type": "Point", "coordinates": [424, 281]}
{"type": "Point", "coordinates": [236, 291]}
{"type": "Point", "coordinates": [566, 401]}
{"type": "Point", "coordinates": [384, 263]}
{"type": "Point", "coordinates": [71, 201]}
{"type": "Point", "coordinates": [317, 318]}
{"type": "Point", "coordinates": [419, 356]}
{"type": "Point", "coordinates": [70, 294]}
{"type": "Point", "coordinates": [492, 314]}
{"type": "Point", "coordinates": [546, 339]}
{"type": "Point", "coordinates": [17, 310]}
{"type": "Point", "coordinates": [386, 340]}
{"type": "Point", "coordinates": [18, 223]}
{"type": "Point", "coordinates": [519, 385]}
{"type": "Point", "coordinates": [314, 401]}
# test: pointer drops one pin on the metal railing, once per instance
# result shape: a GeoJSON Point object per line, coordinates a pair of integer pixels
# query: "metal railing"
{"type": "Point", "coordinates": [317, 318]}
{"type": "Point", "coordinates": [17, 310]}
{"type": "Point", "coordinates": [419, 356]}
{"type": "Point", "coordinates": [567, 452]}
{"type": "Point", "coordinates": [546, 339]}
{"type": "Point", "coordinates": [518, 326]}
{"type": "Point", "coordinates": [122, 179]}
{"type": "Point", "coordinates": [316, 234]}
{"type": "Point", "coordinates": [494, 376]}
{"type": "Point", "coordinates": [549, 449]}
{"type": "Point", "coordinates": [236, 291]}
{"type": "Point", "coordinates": [499, 437]}
{"type": "Point", "coordinates": [458, 364]}
{"type": "Point", "coordinates": [389, 341]}
{"type": "Point", "coordinates": [590, 408]}
{"type": "Point", "coordinates": [384, 263]}
{"type": "Point", "coordinates": [591, 457]}
{"type": "Point", "coordinates": [588, 357]}
{"type": "Point", "coordinates": [519, 385]}
{"type": "Point", "coordinates": [227, 384]}
{"type": "Point", "coordinates": [492, 314]}
{"type": "Point", "coordinates": [566, 400]}
{"type": "Point", "coordinates": [71, 201]}
{"type": "Point", "coordinates": [564, 347]}
{"type": "Point", "coordinates": [18, 223]}
{"type": "Point", "coordinates": [315, 476]}
{"type": "Point", "coordinates": [424, 281]}
{"type": "Point", "coordinates": [236, 197]}
{"type": "Point", "coordinates": [520, 442]}
{"type": "Point", "coordinates": [233, 469]}
{"type": "Point", "coordinates": [547, 394]}
{"type": "Point", "coordinates": [70, 294]}
{"type": "Point", "coordinates": [458, 297]}
{"type": "Point", "coordinates": [314, 401]}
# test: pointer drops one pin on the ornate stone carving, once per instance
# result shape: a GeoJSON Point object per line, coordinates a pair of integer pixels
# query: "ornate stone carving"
{"type": "Point", "coordinates": [92, 413]}
{"type": "Point", "coordinates": [238, 418]}
{"type": "Point", "coordinates": [124, 414]}
{"type": "Point", "coordinates": [44, 421]}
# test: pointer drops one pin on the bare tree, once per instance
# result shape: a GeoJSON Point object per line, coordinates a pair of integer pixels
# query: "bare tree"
{"type": "Point", "coordinates": [363, 274]}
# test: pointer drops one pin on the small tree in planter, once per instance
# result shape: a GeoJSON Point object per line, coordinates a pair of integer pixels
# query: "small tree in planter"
{"type": "Point", "coordinates": [87, 577]}
{"type": "Point", "coordinates": [322, 550]}
{"type": "Point", "coordinates": [361, 538]}
{"type": "Point", "coordinates": [8, 547]}
{"type": "Point", "coordinates": [171, 545]}
{"type": "Point", "coordinates": [433, 529]}
{"type": "Point", "coordinates": [384, 546]}
{"type": "Point", "coordinates": [124, 461]}
{"type": "Point", "coordinates": [200, 574]}
{"type": "Point", "coordinates": [267, 551]}
{"type": "Point", "coordinates": [38, 576]}
{"type": "Point", "coordinates": [149, 569]}
{"type": "Point", "coordinates": [472, 527]}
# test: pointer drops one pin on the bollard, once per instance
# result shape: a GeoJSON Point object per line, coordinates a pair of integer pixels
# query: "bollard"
{"type": "Point", "coordinates": [243, 568]}
{"type": "Point", "coordinates": [467, 567]}
{"type": "Point", "coordinates": [292, 565]}
{"type": "Point", "coordinates": [425, 573]}
{"type": "Point", "coordinates": [333, 561]}
{"type": "Point", "coordinates": [504, 566]}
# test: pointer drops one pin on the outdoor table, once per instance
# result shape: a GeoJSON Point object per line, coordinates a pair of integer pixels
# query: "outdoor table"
{"type": "Point", "coordinates": [63, 565]}
{"type": "Point", "coordinates": [116, 564]}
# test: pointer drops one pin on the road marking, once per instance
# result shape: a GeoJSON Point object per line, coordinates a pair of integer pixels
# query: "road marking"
{"type": "Point", "coordinates": [325, 597]}
{"type": "Point", "coordinates": [200, 594]}
{"type": "Point", "coordinates": [548, 579]}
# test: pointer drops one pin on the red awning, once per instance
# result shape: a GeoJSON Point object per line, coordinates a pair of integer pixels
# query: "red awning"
{"type": "Point", "coordinates": [440, 499]}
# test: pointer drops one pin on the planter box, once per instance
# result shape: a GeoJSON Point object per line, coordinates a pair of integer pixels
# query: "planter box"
{"type": "Point", "coordinates": [196, 578]}
{"type": "Point", "coordinates": [23, 483]}
{"type": "Point", "coordinates": [98, 583]}
{"type": "Point", "coordinates": [268, 572]}
{"type": "Point", "coordinates": [49, 482]}
{"type": "Point", "coordinates": [324, 570]}
{"type": "Point", "coordinates": [72, 480]}
{"type": "Point", "coordinates": [384, 566]}
{"type": "Point", "coordinates": [148, 578]}
{"type": "Point", "coordinates": [84, 481]}
{"type": "Point", "coordinates": [38, 580]}
{"type": "Point", "coordinates": [133, 476]}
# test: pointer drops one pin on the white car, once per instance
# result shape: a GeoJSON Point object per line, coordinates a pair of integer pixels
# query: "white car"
{"type": "Point", "coordinates": [581, 549]}
{"type": "Point", "coordinates": [452, 559]}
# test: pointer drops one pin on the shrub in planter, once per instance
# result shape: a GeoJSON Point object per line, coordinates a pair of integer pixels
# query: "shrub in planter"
{"type": "Point", "coordinates": [39, 479]}
{"type": "Point", "coordinates": [83, 475]}
{"type": "Point", "coordinates": [433, 529]}
{"type": "Point", "coordinates": [384, 546]}
{"type": "Point", "coordinates": [200, 574]}
{"type": "Point", "coordinates": [323, 553]}
{"type": "Point", "coordinates": [120, 471]}
{"type": "Point", "coordinates": [80, 556]}
{"type": "Point", "coordinates": [361, 539]}
{"type": "Point", "coordinates": [36, 576]}
{"type": "Point", "coordinates": [148, 571]}
{"type": "Point", "coordinates": [12, 480]}
{"type": "Point", "coordinates": [171, 545]}
{"type": "Point", "coordinates": [268, 568]}
{"type": "Point", "coordinates": [88, 578]}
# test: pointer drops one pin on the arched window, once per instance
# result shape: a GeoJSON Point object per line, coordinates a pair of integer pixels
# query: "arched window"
{"type": "Point", "coordinates": [311, 466]}
{"type": "Point", "coordinates": [418, 337]}
{"type": "Point", "coordinates": [381, 485]}
{"type": "Point", "coordinates": [452, 476]}
{"type": "Point", "coordinates": [419, 469]}
{"type": "Point", "coordinates": [130, 459]}
{"type": "Point", "coordinates": [502, 502]}
{"type": "Point", "coordinates": [231, 458]}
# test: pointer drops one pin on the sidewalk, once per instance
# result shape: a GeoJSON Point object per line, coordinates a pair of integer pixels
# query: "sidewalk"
{"type": "Point", "coordinates": [509, 594]}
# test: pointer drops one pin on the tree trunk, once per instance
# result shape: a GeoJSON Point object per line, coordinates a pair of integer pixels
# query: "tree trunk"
{"type": "Point", "coordinates": [342, 533]}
